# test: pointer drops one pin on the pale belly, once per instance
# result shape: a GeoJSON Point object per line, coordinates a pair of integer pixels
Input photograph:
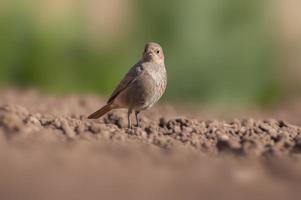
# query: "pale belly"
{"type": "Point", "coordinates": [144, 92]}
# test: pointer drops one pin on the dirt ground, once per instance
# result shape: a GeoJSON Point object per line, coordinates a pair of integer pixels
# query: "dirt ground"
{"type": "Point", "coordinates": [49, 150]}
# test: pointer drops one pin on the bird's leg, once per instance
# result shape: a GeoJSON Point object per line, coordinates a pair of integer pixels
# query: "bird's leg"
{"type": "Point", "coordinates": [137, 118]}
{"type": "Point", "coordinates": [129, 119]}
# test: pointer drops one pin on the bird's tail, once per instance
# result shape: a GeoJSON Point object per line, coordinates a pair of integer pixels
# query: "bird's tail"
{"type": "Point", "coordinates": [101, 112]}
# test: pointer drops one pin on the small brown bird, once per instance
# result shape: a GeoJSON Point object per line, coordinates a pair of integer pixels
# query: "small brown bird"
{"type": "Point", "coordinates": [141, 87]}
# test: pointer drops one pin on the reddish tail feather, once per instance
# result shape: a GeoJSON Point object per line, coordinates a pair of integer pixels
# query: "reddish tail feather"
{"type": "Point", "coordinates": [100, 112]}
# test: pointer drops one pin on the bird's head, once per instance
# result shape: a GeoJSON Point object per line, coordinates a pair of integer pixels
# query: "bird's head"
{"type": "Point", "coordinates": [153, 53]}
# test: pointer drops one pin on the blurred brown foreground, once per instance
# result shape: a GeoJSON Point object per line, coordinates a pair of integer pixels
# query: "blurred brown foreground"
{"type": "Point", "coordinates": [49, 150]}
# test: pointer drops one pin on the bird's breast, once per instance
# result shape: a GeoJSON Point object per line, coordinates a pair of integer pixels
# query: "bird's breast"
{"type": "Point", "coordinates": [147, 89]}
{"type": "Point", "coordinates": [155, 86]}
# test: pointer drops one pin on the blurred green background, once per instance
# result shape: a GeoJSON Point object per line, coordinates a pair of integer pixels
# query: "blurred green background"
{"type": "Point", "coordinates": [217, 52]}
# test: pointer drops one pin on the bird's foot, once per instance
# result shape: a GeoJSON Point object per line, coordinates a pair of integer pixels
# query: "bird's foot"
{"type": "Point", "coordinates": [130, 130]}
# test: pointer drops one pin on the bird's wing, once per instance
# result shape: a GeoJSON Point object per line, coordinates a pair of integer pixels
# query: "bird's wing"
{"type": "Point", "coordinates": [134, 73]}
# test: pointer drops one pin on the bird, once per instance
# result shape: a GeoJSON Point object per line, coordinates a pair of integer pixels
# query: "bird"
{"type": "Point", "coordinates": [142, 86]}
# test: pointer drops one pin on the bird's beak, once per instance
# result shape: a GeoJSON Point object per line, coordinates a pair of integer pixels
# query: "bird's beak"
{"type": "Point", "coordinates": [150, 53]}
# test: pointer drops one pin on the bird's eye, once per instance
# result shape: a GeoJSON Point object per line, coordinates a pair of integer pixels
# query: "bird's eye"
{"type": "Point", "coordinates": [158, 51]}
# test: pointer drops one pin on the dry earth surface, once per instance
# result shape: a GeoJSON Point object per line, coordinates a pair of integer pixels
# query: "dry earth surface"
{"type": "Point", "coordinates": [49, 150]}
